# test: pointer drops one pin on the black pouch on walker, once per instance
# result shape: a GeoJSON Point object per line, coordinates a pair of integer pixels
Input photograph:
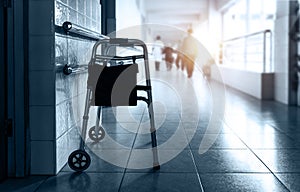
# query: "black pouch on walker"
{"type": "Point", "coordinates": [116, 85]}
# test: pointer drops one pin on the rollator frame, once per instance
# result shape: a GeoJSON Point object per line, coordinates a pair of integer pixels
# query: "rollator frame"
{"type": "Point", "coordinates": [79, 160]}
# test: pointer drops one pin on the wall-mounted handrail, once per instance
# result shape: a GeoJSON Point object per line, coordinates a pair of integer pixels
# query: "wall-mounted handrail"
{"type": "Point", "coordinates": [77, 31]}
{"type": "Point", "coordinates": [67, 70]}
{"type": "Point", "coordinates": [245, 37]}
{"type": "Point", "coordinates": [74, 30]}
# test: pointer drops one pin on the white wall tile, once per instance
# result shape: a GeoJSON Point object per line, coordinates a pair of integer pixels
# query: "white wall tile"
{"type": "Point", "coordinates": [66, 116]}
{"type": "Point", "coordinates": [66, 87]}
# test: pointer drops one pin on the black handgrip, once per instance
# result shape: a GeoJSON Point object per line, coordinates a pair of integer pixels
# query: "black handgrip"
{"type": "Point", "coordinates": [142, 87]}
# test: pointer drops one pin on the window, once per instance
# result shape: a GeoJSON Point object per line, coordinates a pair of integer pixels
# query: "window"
{"type": "Point", "coordinates": [246, 46]}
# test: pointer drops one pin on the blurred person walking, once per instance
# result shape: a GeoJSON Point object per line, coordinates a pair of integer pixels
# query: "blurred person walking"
{"type": "Point", "coordinates": [168, 51]}
{"type": "Point", "coordinates": [178, 60]}
{"type": "Point", "coordinates": [157, 52]}
{"type": "Point", "coordinates": [190, 52]}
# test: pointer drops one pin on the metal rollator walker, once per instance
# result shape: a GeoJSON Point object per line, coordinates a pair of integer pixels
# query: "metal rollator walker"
{"type": "Point", "coordinates": [112, 81]}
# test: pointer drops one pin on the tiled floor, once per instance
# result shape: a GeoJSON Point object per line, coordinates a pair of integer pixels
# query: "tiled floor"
{"type": "Point", "coordinates": [255, 147]}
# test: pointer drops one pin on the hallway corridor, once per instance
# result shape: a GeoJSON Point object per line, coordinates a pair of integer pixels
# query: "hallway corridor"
{"type": "Point", "coordinates": [257, 148]}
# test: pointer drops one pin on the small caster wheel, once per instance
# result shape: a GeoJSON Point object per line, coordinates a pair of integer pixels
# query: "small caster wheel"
{"type": "Point", "coordinates": [79, 160]}
{"type": "Point", "coordinates": [96, 137]}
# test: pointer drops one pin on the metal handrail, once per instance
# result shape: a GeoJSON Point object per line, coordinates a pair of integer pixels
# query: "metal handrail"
{"type": "Point", "coordinates": [67, 70]}
{"type": "Point", "coordinates": [80, 32]}
{"type": "Point", "coordinates": [74, 30]}
{"type": "Point", "coordinates": [77, 31]}
{"type": "Point", "coordinates": [248, 35]}
{"type": "Point", "coordinates": [264, 32]}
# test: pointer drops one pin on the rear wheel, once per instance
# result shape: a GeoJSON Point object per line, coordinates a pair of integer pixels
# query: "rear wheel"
{"type": "Point", "coordinates": [96, 136]}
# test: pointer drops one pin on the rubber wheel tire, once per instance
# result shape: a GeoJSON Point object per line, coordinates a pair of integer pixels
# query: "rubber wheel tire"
{"type": "Point", "coordinates": [99, 136]}
{"type": "Point", "coordinates": [79, 160]}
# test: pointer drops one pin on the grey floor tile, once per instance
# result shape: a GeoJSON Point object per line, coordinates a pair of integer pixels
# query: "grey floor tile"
{"type": "Point", "coordinates": [290, 180]}
{"type": "Point", "coordinates": [120, 128]}
{"type": "Point", "coordinates": [286, 126]}
{"type": "Point", "coordinates": [160, 182]}
{"type": "Point", "coordinates": [281, 160]}
{"type": "Point", "coordinates": [207, 127]}
{"type": "Point", "coordinates": [228, 161]}
{"type": "Point", "coordinates": [164, 141]}
{"type": "Point", "coordinates": [268, 141]}
{"type": "Point", "coordinates": [241, 182]}
{"type": "Point", "coordinates": [113, 141]}
{"type": "Point", "coordinates": [244, 124]}
{"type": "Point", "coordinates": [169, 117]}
{"type": "Point", "coordinates": [180, 163]}
{"type": "Point", "coordinates": [89, 182]}
{"type": "Point", "coordinates": [220, 141]}
{"type": "Point", "coordinates": [168, 127]}
{"type": "Point", "coordinates": [22, 184]}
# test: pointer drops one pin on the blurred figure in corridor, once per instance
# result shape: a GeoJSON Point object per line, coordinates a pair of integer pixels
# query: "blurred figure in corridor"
{"type": "Point", "coordinates": [168, 51]}
{"type": "Point", "coordinates": [190, 52]}
{"type": "Point", "coordinates": [157, 52]}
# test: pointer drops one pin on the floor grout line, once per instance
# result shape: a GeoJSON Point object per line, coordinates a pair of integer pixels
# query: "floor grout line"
{"type": "Point", "coordinates": [123, 176]}
{"type": "Point", "coordinates": [197, 173]}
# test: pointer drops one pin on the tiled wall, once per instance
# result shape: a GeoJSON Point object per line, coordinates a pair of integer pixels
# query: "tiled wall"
{"type": "Point", "coordinates": [70, 95]}
{"type": "Point", "coordinates": [71, 90]}
{"type": "Point", "coordinates": [57, 100]}
{"type": "Point", "coordinates": [85, 13]}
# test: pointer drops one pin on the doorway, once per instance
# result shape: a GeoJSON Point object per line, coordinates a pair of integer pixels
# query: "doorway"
{"type": "Point", "coordinates": [14, 130]}
{"type": "Point", "coordinates": [3, 95]}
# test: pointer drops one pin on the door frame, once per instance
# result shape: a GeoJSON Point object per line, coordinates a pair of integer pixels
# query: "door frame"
{"type": "Point", "coordinates": [294, 52]}
{"type": "Point", "coordinates": [3, 96]}
{"type": "Point", "coordinates": [14, 89]}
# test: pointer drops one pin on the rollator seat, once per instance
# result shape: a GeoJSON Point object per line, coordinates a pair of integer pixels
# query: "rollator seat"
{"type": "Point", "coordinates": [115, 85]}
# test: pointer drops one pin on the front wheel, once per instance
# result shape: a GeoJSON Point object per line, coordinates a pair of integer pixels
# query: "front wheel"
{"type": "Point", "coordinates": [79, 160]}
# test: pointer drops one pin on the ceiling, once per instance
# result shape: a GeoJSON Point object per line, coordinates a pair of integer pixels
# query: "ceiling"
{"type": "Point", "coordinates": [180, 14]}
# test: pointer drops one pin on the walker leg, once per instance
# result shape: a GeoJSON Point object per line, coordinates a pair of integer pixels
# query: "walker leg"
{"type": "Point", "coordinates": [156, 165]}
{"type": "Point", "coordinates": [85, 119]}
